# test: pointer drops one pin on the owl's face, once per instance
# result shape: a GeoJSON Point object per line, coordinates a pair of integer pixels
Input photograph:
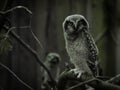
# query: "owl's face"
{"type": "Point", "coordinates": [73, 25]}
{"type": "Point", "coordinates": [53, 58]}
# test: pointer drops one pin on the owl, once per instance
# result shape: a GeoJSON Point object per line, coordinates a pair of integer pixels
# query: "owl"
{"type": "Point", "coordinates": [52, 62]}
{"type": "Point", "coordinates": [80, 45]}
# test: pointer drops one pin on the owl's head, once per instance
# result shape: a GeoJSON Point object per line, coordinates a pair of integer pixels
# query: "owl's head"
{"type": "Point", "coordinates": [53, 58]}
{"type": "Point", "coordinates": [73, 25]}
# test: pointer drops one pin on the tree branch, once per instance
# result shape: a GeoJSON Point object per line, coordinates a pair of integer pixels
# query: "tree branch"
{"type": "Point", "coordinates": [29, 26]}
{"type": "Point", "coordinates": [97, 84]}
{"type": "Point", "coordinates": [11, 72]}
{"type": "Point", "coordinates": [25, 45]}
{"type": "Point", "coordinates": [115, 80]}
{"type": "Point", "coordinates": [17, 7]}
{"type": "Point", "coordinates": [32, 51]}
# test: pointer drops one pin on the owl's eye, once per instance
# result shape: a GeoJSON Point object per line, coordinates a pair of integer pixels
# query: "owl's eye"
{"type": "Point", "coordinates": [81, 24]}
{"type": "Point", "coordinates": [69, 29]}
{"type": "Point", "coordinates": [54, 60]}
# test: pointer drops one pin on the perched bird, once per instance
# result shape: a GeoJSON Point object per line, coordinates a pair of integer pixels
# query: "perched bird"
{"type": "Point", "coordinates": [52, 62]}
{"type": "Point", "coordinates": [80, 45]}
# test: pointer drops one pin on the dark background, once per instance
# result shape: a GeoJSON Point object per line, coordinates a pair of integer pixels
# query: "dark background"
{"type": "Point", "coordinates": [48, 15]}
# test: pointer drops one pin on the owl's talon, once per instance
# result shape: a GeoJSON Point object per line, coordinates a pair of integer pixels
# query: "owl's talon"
{"type": "Point", "coordinates": [77, 72]}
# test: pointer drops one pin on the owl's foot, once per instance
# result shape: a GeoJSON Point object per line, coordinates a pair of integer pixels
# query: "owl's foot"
{"type": "Point", "coordinates": [82, 75]}
{"type": "Point", "coordinates": [77, 72]}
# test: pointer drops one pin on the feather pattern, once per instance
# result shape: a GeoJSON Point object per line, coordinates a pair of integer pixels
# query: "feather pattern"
{"type": "Point", "coordinates": [80, 44]}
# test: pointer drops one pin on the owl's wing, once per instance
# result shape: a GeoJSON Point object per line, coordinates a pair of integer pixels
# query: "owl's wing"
{"type": "Point", "coordinates": [93, 56]}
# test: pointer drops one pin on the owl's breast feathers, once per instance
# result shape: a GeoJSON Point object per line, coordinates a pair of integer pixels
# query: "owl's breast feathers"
{"type": "Point", "coordinates": [80, 54]}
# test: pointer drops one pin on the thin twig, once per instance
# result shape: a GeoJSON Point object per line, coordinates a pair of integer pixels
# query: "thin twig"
{"type": "Point", "coordinates": [18, 7]}
{"type": "Point", "coordinates": [12, 28]}
{"type": "Point", "coordinates": [11, 72]}
{"type": "Point", "coordinates": [35, 37]}
{"type": "Point", "coordinates": [23, 27]}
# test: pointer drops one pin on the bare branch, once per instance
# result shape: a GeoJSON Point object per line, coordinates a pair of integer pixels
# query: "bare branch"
{"type": "Point", "coordinates": [18, 7]}
{"type": "Point", "coordinates": [114, 80]}
{"type": "Point", "coordinates": [93, 82]}
{"type": "Point", "coordinates": [35, 37]}
{"type": "Point", "coordinates": [23, 27]}
{"type": "Point", "coordinates": [25, 45]}
{"type": "Point", "coordinates": [97, 84]}
{"type": "Point", "coordinates": [38, 41]}
{"type": "Point", "coordinates": [11, 72]}
{"type": "Point", "coordinates": [12, 28]}
{"type": "Point", "coordinates": [29, 26]}
{"type": "Point", "coordinates": [32, 51]}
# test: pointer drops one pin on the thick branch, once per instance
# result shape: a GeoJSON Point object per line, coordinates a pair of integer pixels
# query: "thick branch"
{"type": "Point", "coordinates": [115, 80]}
{"type": "Point", "coordinates": [93, 82]}
{"type": "Point", "coordinates": [97, 84]}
